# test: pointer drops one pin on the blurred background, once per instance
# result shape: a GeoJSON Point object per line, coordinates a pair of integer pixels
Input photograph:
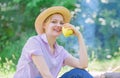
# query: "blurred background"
{"type": "Point", "coordinates": [98, 20]}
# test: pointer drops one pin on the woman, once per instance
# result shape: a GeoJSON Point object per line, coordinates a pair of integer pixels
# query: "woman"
{"type": "Point", "coordinates": [42, 57]}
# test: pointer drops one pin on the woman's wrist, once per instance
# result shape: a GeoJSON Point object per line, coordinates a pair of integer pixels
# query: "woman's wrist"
{"type": "Point", "coordinates": [80, 38]}
{"type": "Point", "coordinates": [79, 35]}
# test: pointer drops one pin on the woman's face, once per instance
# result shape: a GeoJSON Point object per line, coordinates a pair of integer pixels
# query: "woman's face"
{"type": "Point", "coordinates": [53, 25]}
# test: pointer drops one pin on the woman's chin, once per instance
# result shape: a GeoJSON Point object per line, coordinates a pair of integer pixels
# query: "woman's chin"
{"type": "Point", "coordinates": [57, 34]}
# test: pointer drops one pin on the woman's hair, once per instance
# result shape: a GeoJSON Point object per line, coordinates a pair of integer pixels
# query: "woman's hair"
{"type": "Point", "coordinates": [49, 17]}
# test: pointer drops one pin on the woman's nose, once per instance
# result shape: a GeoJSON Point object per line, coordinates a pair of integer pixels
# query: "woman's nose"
{"type": "Point", "coordinates": [58, 24]}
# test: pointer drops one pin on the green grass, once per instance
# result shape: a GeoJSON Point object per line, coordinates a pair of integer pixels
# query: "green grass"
{"type": "Point", "coordinates": [10, 54]}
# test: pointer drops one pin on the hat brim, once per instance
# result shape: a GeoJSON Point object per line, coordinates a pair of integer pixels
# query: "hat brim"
{"type": "Point", "coordinates": [46, 13]}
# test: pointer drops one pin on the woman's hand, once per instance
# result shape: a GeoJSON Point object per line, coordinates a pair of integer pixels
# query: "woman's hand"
{"type": "Point", "coordinates": [70, 26]}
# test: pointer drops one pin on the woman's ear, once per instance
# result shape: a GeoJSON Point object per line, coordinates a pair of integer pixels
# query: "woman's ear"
{"type": "Point", "coordinates": [44, 25]}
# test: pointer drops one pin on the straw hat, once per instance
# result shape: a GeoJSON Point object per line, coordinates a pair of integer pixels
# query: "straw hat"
{"type": "Point", "coordinates": [46, 13]}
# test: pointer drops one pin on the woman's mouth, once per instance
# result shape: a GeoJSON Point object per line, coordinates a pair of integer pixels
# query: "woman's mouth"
{"type": "Point", "coordinates": [58, 29]}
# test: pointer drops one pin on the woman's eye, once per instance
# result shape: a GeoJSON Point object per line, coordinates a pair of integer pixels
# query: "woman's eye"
{"type": "Point", "coordinates": [54, 21]}
{"type": "Point", "coordinates": [61, 23]}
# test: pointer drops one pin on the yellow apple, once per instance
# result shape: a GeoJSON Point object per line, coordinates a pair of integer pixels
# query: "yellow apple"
{"type": "Point", "coordinates": [67, 32]}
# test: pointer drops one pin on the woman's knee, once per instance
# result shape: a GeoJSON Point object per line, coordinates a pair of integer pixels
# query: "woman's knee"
{"type": "Point", "coordinates": [78, 70]}
{"type": "Point", "coordinates": [77, 73]}
{"type": "Point", "coordinates": [82, 73]}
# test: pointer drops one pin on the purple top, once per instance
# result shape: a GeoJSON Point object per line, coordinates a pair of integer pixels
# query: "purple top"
{"type": "Point", "coordinates": [38, 45]}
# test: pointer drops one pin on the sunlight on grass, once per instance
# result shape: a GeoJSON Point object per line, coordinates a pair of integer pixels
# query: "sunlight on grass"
{"type": "Point", "coordinates": [6, 75]}
{"type": "Point", "coordinates": [63, 70]}
{"type": "Point", "coordinates": [94, 66]}
{"type": "Point", "coordinates": [106, 65]}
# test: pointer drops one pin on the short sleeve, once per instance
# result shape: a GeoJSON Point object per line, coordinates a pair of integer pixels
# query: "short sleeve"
{"type": "Point", "coordinates": [33, 46]}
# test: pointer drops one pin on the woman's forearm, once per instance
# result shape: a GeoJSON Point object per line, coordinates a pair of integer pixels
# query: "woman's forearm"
{"type": "Point", "coordinates": [41, 66]}
{"type": "Point", "coordinates": [47, 75]}
{"type": "Point", "coordinates": [82, 52]}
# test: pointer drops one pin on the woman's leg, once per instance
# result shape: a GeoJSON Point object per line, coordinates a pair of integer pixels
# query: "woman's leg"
{"type": "Point", "coordinates": [76, 73]}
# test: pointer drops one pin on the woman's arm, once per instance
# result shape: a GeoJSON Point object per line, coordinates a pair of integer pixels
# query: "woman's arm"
{"type": "Point", "coordinates": [41, 65]}
{"type": "Point", "coordinates": [82, 62]}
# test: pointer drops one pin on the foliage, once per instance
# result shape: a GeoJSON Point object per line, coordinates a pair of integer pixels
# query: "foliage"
{"type": "Point", "coordinates": [18, 16]}
{"type": "Point", "coordinates": [104, 18]}
{"type": "Point", "coordinates": [107, 30]}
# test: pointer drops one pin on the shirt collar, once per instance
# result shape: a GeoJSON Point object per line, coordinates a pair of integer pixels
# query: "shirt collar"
{"type": "Point", "coordinates": [44, 38]}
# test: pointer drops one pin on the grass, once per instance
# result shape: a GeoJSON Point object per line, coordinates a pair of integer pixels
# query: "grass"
{"type": "Point", "coordinates": [99, 66]}
{"type": "Point", "coordinates": [6, 75]}
{"type": "Point", "coordinates": [94, 66]}
{"type": "Point", "coordinates": [105, 65]}
{"type": "Point", "coordinates": [64, 69]}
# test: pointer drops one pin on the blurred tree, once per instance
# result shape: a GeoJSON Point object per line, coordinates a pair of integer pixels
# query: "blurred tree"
{"type": "Point", "coordinates": [108, 27]}
{"type": "Point", "coordinates": [100, 22]}
{"type": "Point", "coordinates": [18, 15]}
